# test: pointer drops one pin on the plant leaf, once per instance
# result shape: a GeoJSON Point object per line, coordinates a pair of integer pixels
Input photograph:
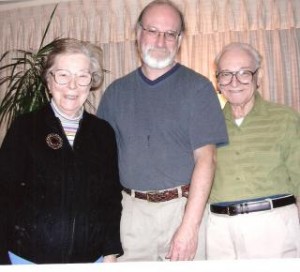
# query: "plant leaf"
{"type": "Point", "coordinates": [22, 78]}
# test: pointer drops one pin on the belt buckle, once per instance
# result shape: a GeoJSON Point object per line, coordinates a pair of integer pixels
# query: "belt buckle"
{"type": "Point", "coordinates": [228, 210]}
{"type": "Point", "coordinates": [271, 203]}
{"type": "Point", "coordinates": [150, 195]}
{"type": "Point", "coordinates": [231, 210]}
{"type": "Point", "coordinates": [267, 201]}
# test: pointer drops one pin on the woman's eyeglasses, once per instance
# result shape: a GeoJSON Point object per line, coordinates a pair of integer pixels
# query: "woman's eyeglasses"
{"type": "Point", "coordinates": [63, 77]}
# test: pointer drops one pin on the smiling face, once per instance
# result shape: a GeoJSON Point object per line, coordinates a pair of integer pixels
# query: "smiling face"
{"type": "Point", "coordinates": [69, 97]}
{"type": "Point", "coordinates": [157, 51]}
{"type": "Point", "coordinates": [237, 93]}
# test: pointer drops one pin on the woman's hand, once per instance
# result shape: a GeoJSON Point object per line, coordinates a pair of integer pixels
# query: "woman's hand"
{"type": "Point", "coordinates": [110, 258]}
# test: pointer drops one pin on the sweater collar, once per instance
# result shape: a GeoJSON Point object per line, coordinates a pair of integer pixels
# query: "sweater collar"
{"type": "Point", "coordinates": [58, 113]}
{"type": "Point", "coordinates": [159, 79]}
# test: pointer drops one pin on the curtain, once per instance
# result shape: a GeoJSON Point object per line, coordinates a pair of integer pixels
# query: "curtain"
{"type": "Point", "coordinates": [272, 26]}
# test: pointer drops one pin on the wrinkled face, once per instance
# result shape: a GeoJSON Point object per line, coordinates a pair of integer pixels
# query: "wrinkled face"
{"type": "Point", "coordinates": [238, 92]}
{"type": "Point", "coordinates": [158, 36]}
{"type": "Point", "coordinates": [69, 82]}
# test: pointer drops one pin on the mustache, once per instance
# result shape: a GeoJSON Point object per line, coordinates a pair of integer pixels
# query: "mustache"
{"type": "Point", "coordinates": [155, 48]}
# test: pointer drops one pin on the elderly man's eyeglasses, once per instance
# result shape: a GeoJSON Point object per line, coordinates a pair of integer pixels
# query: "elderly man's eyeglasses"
{"type": "Point", "coordinates": [153, 32]}
{"type": "Point", "coordinates": [243, 76]}
{"type": "Point", "coordinates": [63, 77]}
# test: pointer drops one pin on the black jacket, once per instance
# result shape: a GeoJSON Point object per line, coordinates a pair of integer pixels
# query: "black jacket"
{"type": "Point", "coordinates": [58, 204]}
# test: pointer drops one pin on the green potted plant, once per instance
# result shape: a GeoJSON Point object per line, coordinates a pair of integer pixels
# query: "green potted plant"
{"type": "Point", "coordinates": [21, 79]}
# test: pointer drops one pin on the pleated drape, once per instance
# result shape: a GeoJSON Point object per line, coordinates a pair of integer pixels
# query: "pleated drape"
{"type": "Point", "coordinates": [272, 26]}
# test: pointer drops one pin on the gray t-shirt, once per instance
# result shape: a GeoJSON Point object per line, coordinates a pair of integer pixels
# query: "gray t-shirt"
{"type": "Point", "coordinates": [160, 123]}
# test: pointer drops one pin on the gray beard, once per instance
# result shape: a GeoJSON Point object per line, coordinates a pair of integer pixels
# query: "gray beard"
{"type": "Point", "coordinates": [157, 63]}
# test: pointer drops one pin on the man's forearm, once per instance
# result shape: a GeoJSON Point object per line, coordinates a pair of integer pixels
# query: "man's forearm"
{"type": "Point", "coordinates": [201, 183]}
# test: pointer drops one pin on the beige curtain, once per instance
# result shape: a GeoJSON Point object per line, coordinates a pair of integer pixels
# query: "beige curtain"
{"type": "Point", "coordinates": [272, 26]}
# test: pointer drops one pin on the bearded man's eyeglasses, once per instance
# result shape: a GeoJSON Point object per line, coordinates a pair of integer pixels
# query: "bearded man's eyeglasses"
{"type": "Point", "coordinates": [153, 32]}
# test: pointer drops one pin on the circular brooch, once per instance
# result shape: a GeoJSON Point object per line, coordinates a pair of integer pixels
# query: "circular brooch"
{"type": "Point", "coordinates": [54, 141]}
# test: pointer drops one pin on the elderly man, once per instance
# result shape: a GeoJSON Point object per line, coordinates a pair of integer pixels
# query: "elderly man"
{"type": "Point", "coordinates": [168, 122]}
{"type": "Point", "coordinates": [253, 211]}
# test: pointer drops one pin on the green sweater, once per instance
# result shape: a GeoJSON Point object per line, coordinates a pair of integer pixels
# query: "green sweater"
{"type": "Point", "coordinates": [263, 155]}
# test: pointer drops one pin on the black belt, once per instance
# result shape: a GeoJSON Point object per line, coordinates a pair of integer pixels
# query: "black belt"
{"type": "Point", "coordinates": [253, 206]}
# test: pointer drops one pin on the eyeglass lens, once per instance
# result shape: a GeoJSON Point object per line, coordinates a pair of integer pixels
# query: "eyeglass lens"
{"type": "Point", "coordinates": [168, 35]}
{"type": "Point", "coordinates": [243, 76]}
{"type": "Point", "coordinates": [63, 77]}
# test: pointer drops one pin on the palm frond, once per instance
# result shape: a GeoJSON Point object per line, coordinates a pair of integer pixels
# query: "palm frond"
{"type": "Point", "coordinates": [48, 25]}
{"type": "Point", "coordinates": [22, 79]}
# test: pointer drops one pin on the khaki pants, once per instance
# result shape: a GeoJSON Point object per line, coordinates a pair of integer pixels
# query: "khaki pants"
{"type": "Point", "coordinates": [266, 234]}
{"type": "Point", "coordinates": [147, 228]}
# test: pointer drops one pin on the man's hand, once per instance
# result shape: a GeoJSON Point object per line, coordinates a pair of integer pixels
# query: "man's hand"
{"type": "Point", "coordinates": [183, 245]}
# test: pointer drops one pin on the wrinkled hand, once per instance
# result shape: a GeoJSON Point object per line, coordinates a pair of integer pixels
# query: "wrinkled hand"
{"type": "Point", "coordinates": [110, 259]}
{"type": "Point", "coordinates": [183, 245]}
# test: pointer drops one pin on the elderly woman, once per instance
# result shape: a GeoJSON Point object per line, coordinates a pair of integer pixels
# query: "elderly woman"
{"type": "Point", "coordinates": [59, 182]}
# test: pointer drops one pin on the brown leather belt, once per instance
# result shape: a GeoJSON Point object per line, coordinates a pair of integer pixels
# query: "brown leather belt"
{"type": "Point", "coordinates": [160, 196]}
{"type": "Point", "coordinates": [253, 205]}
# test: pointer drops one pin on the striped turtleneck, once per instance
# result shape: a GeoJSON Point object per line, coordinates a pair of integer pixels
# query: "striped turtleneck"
{"type": "Point", "coordinates": [69, 124]}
